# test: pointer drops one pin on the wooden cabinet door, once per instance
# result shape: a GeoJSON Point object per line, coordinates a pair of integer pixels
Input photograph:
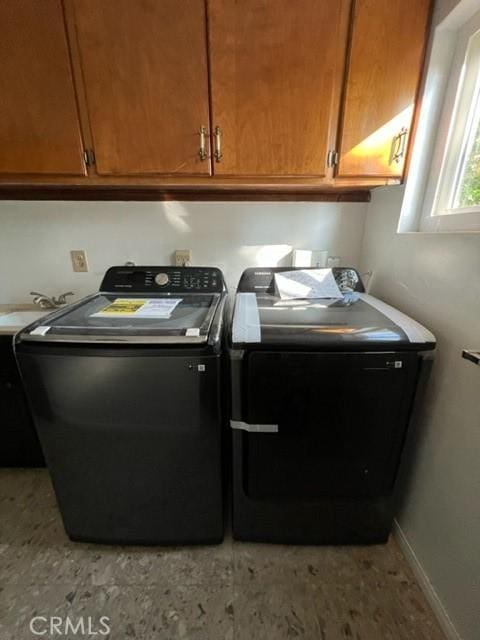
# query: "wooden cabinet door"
{"type": "Point", "coordinates": [276, 68]}
{"type": "Point", "coordinates": [144, 64]}
{"type": "Point", "coordinates": [39, 124]}
{"type": "Point", "coordinates": [386, 56]}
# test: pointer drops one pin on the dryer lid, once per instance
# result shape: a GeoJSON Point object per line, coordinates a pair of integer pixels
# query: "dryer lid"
{"type": "Point", "coordinates": [356, 322]}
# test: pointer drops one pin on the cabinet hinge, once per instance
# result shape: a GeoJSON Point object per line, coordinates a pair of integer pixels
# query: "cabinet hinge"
{"type": "Point", "coordinates": [89, 157]}
{"type": "Point", "coordinates": [332, 158]}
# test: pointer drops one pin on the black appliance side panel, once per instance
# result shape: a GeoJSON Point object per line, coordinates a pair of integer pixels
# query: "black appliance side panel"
{"type": "Point", "coordinates": [341, 423]}
{"type": "Point", "coordinates": [133, 443]}
{"type": "Point", "coordinates": [19, 445]}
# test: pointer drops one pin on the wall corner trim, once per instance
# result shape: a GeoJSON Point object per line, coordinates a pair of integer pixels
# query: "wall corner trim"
{"type": "Point", "coordinates": [426, 586]}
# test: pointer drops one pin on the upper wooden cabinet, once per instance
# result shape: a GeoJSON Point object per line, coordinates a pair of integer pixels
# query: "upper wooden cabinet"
{"type": "Point", "coordinates": [276, 73]}
{"type": "Point", "coordinates": [39, 124]}
{"type": "Point", "coordinates": [144, 65]}
{"type": "Point", "coordinates": [229, 94]}
{"type": "Point", "coordinates": [386, 54]}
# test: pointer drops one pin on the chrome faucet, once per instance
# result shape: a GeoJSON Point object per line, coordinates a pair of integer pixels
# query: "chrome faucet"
{"type": "Point", "coordinates": [45, 302]}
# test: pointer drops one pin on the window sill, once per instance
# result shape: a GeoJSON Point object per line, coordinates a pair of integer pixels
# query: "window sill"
{"type": "Point", "coordinates": [451, 223]}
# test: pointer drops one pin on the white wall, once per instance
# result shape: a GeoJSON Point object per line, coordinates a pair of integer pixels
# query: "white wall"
{"type": "Point", "coordinates": [36, 237]}
{"type": "Point", "coordinates": [436, 279]}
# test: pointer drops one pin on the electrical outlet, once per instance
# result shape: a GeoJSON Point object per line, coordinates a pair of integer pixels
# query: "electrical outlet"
{"type": "Point", "coordinates": [183, 257]}
{"type": "Point", "coordinates": [79, 260]}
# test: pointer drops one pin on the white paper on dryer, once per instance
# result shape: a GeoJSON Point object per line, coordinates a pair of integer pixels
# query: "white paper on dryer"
{"type": "Point", "coordinates": [307, 283]}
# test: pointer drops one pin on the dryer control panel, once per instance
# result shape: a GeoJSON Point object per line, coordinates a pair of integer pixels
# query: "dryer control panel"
{"type": "Point", "coordinates": [163, 280]}
{"type": "Point", "coordinates": [262, 279]}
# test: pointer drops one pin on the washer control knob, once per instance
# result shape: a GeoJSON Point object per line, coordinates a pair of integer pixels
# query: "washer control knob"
{"type": "Point", "coordinates": [161, 279]}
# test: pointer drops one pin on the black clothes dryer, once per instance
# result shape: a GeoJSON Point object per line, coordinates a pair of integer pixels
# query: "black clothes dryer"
{"type": "Point", "coordinates": [322, 392]}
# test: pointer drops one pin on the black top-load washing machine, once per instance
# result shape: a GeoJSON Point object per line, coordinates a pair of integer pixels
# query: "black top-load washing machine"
{"type": "Point", "coordinates": [125, 390]}
{"type": "Point", "coordinates": [322, 391]}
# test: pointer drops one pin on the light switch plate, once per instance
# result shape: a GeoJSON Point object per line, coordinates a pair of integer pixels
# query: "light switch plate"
{"type": "Point", "coordinates": [183, 257]}
{"type": "Point", "coordinates": [79, 260]}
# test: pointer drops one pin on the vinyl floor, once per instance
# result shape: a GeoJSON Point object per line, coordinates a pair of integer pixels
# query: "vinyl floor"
{"type": "Point", "coordinates": [233, 591]}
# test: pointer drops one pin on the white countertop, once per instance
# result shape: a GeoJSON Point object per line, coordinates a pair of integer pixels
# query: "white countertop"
{"type": "Point", "coordinates": [5, 309]}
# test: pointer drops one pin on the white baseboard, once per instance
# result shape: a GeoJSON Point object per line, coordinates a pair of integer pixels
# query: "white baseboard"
{"type": "Point", "coordinates": [426, 586]}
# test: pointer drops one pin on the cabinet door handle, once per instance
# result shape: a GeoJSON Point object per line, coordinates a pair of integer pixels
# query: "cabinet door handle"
{"type": "Point", "coordinates": [202, 152]}
{"type": "Point", "coordinates": [399, 145]}
{"type": "Point", "coordinates": [218, 144]}
{"type": "Point", "coordinates": [403, 143]}
{"type": "Point", "coordinates": [394, 148]}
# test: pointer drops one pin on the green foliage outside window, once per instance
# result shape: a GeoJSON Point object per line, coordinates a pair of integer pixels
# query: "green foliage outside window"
{"type": "Point", "coordinates": [469, 191]}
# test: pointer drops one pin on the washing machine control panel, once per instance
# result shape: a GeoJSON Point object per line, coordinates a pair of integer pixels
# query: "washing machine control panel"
{"type": "Point", "coordinates": [164, 279]}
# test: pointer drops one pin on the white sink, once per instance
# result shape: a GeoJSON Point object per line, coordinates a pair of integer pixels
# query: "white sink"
{"type": "Point", "coordinates": [22, 318]}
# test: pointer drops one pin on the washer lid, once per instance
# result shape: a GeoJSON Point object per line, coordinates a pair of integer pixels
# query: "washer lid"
{"type": "Point", "coordinates": [147, 319]}
{"type": "Point", "coordinates": [356, 322]}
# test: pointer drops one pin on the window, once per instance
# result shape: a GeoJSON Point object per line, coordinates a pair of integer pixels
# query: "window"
{"type": "Point", "coordinates": [451, 199]}
{"type": "Point", "coordinates": [466, 194]}
{"type": "Point", "coordinates": [459, 185]}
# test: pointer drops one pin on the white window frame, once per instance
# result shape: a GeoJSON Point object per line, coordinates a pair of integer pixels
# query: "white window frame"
{"type": "Point", "coordinates": [465, 81]}
{"type": "Point", "coordinates": [426, 205]}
